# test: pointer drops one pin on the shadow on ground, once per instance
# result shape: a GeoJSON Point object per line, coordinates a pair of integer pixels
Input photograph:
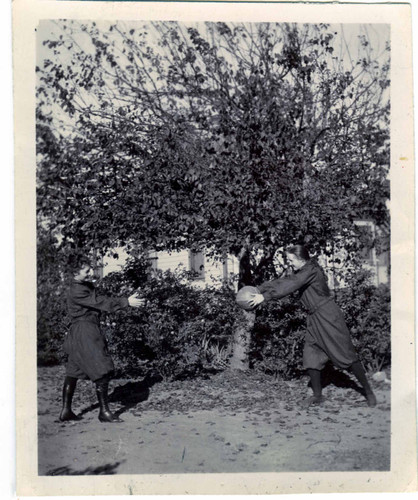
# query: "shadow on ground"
{"type": "Point", "coordinates": [102, 470]}
{"type": "Point", "coordinates": [337, 378]}
{"type": "Point", "coordinates": [128, 395]}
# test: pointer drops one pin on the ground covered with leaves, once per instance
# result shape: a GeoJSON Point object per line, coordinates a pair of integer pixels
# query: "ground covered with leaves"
{"type": "Point", "coordinates": [222, 422]}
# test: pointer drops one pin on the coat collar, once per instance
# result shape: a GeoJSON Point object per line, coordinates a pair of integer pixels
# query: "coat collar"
{"type": "Point", "coordinates": [82, 283]}
{"type": "Point", "coordinates": [309, 263]}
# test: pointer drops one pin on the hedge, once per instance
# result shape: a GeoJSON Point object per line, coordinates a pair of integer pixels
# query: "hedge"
{"type": "Point", "coordinates": [184, 330]}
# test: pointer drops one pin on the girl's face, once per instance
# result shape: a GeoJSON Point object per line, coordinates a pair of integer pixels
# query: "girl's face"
{"type": "Point", "coordinates": [84, 274]}
{"type": "Point", "coordinates": [294, 261]}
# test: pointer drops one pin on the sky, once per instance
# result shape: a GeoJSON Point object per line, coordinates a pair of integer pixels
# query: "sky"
{"type": "Point", "coordinates": [346, 44]}
{"type": "Point", "coordinates": [377, 34]}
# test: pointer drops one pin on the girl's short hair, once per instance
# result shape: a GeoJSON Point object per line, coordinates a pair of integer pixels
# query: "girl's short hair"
{"type": "Point", "coordinates": [77, 262]}
{"type": "Point", "coordinates": [300, 251]}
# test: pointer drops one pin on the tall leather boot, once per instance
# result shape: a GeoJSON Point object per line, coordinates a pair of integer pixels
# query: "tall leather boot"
{"type": "Point", "coordinates": [67, 398]}
{"type": "Point", "coordinates": [102, 388]}
{"type": "Point", "coordinates": [360, 374]}
{"type": "Point", "coordinates": [317, 398]}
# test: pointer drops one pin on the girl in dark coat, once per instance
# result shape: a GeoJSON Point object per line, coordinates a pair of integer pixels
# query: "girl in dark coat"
{"type": "Point", "coordinates": [85, 345]}
{"type": "Point", "coordinates": [327, 336]}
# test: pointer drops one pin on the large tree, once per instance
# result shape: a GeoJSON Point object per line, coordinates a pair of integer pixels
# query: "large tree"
{"type": "Point", "coordinates": [229, 136]}
{"type": "Point", "coordinates": [237, 138]}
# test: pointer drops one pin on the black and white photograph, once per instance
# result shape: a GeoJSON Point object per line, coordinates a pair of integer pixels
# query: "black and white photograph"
{"type": "Point", "coordinates": [214, 248]}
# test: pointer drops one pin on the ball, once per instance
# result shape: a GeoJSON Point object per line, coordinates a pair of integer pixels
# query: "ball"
{"type": "Point", "coordinates": [244, 295]}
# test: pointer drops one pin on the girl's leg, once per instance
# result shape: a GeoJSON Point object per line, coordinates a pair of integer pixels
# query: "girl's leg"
{"type": "Point", "coordinates": [314, 356]}
{"type": "Point", "coordinates": [67, 398]}
{"type": "Point", "coordinates": [315, 376]}
{"type": "Point", "coordinates": [102, 388]}
{"type": "Point", "coordinates": [316, 399]}
{"type": "Point", "coordinates": [360, 374]}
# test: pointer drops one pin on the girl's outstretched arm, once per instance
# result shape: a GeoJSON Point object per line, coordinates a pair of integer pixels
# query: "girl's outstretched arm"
{"type": "Point", "coordinates": [277, 289]}
{"type": "Point", "coordinates": [85, 297]}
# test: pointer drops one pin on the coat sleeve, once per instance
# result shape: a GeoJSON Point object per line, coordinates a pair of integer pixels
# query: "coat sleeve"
{"type": "Point", "coordinates": [84, 297]}
{"type": "Point", "coordinates": [277, 289]}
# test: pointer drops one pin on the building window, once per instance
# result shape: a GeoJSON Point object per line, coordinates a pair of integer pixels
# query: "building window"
{"type": "Point", "coordinates": [98, 266]}
{"type": "Point", "coordinates": [152, 259]}
{"type": "Point", "coordinates": [225, 274]}
{"type": "Point", "coordinates": [197, 264]}
{"type": "Point", "coordinates": [367, 236]}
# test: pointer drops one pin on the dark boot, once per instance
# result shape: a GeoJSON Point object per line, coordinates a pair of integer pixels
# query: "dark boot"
{"type": "Point", "coordinates": [360, 374]}
{"type": "Point", "coordinates": [105, 415]}
{"type": "Point", "coordinates": [316, 399]}
{"type": "Point", "coordinates": [67, 398]}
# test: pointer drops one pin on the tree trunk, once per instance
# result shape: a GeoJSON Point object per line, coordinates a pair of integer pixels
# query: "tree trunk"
{"type": "Point", "coordinates": [241, 342]}
{"type": "Point", "coordinates": [245, 277]}
{"type": "Point", "coordinates": [245, 323]}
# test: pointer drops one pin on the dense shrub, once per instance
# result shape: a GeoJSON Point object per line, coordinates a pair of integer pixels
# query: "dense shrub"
{"type": "Point", "coordinates": [52, 327]}
{"type": "Point", "coordinates": [51, 307]}
{"type": "Point", "coordinates": [180, 331]}
{"type": "Point", "coordinates": [367, 312]}
{"type": "Point", "coordinates": [183, 330]}
{"type": "Point", "coordinates": [277, 339]}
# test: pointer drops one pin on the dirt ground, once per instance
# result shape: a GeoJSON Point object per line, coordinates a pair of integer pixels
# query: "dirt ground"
{"type": "Point", "coordinates": [225, 422]}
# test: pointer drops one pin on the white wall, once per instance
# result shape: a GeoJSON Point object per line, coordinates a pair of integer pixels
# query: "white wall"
{"type": "Point", "coordinates": [111, 264]}
{"type": "Point", "coordinates": [172, 261]}
{"type": "Point", "coordinates": [214, 271]}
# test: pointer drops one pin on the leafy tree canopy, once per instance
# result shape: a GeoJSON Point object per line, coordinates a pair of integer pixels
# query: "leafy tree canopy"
{"type": "Point", "coordinates": [231, 137]}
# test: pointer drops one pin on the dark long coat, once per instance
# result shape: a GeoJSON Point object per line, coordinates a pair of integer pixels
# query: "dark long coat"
{"type": "Point", "coordinates": [85, 345]}
{"type": "Point", "coordinates": [327, 336]}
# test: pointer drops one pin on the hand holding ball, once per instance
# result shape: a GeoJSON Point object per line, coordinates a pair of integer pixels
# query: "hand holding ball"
{"type": "Point", "coordinates": [135, 301]}
{"type": "Point", "coordinates": [249, 297]}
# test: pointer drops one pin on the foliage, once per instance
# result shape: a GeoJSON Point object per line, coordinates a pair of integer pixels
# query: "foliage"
{"type": "Point", "coordinates": [181, 330]}
{"type": "Point", "coordinates": [51, 306]}
{"type": "Point", "coordinates": [278, 339]}
{"type": "Point", "coordinates": [367, 311]}
{"type": "Point", "coordinates": [184, 330]}
{"type": "Point", "coordinates": [240, 137]}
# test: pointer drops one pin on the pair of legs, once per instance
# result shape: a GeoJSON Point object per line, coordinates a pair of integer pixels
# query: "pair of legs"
{"type": "Point", "coordinates": [358, 371]}
{"type": "Point", "coordinates": [102, 388]}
